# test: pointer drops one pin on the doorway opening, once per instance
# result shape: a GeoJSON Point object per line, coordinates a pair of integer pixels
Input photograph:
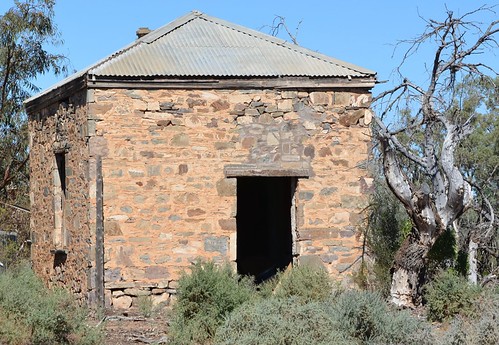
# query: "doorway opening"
{"type": "Point", "coordinates": [264, 225]}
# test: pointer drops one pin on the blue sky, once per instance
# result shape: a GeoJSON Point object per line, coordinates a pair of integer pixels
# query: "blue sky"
{"type": "Point", "coordinates": [360, 32]}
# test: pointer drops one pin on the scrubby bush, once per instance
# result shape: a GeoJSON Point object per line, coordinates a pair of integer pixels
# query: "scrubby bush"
{"type": "Point", "coordinates": [145, 305]}
{"type": "Point", "coordinates": [32, 314]}
{"type": "Point", "coordinates": [367, 318]}
{"type": "Point", "coordinates": [274, 320]}
{"type": "Point", "coordinates": [354, 317]}
{"type": "Point", "coordinates": [215, 306]}
{"type": "Point", "coordinates": [205, 297]}
{"type": "Point", "coordinates": [386, 228]}
{"type": "Point", "coordinates": [483, 329]}
{"type": "Point", "coordinates": [306, 283]}
{"type": "Point", "coordinates": [449, 294]}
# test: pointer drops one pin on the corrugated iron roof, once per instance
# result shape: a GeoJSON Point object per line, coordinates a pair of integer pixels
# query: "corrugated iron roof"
{"type": "Point", "coordinates": [198, 45]}
{"type": "Point", "coordinates": [201, 45]}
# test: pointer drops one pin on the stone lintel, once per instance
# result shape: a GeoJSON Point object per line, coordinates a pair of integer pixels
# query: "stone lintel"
{"type": "Point", "coordinates": [249, 170]}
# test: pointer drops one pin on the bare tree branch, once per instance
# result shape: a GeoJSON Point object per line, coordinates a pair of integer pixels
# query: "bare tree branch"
{"type": "Point", "coordinates": [279, 23]}
{"type": "Point", "coordinates": [425, 142]}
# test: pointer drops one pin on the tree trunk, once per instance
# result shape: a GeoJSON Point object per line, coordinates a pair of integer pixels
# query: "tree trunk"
{"type": "Point", "coordinates": [472, 262]}
{"type": "Point", "coordinates": [409, 271]}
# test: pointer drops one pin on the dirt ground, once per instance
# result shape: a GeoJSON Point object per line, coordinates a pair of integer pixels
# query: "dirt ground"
{"type": "Point", "coordinates": [134, 328]}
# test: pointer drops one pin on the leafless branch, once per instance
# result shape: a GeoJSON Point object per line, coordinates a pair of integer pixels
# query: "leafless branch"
{"type": "Point", "coordinates": [279, 23]}
{"type": "Point", "coordinates": [428, 136]}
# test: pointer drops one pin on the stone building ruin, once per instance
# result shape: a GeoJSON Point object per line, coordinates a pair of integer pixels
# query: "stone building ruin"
{"type": "Point", "coordinates": [201, 139]}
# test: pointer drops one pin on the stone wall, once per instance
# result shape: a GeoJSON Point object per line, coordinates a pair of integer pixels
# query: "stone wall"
{"type": "Point", "coordinates": [167, 160]}
{"type": "Point", "coordinates": [61, 238]}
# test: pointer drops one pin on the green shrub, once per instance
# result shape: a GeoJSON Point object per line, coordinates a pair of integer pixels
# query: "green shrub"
{"type": "Point", "coordinates": [272, 321]}
{"type": "Point", "coordinates": [145, 305]}
{"type": "Point", "coordinates": [205, 297]}
{"type": "Point", "coordinates": [366, 317]}
{"type": "Point", "coordinates": [306, 283]}
{"type": "Point", "coordinates": [449, 294]}
{"type": "Point", "coordinates": [354, 317]}
{"type": "Point", "coordinates": [387, 227]}
{"type": "Point", "coordinates": [483, 329]}
{"type": "Point", "coordinates": [32, 314]}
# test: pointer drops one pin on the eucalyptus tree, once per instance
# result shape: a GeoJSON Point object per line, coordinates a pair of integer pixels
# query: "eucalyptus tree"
{"type": "Point", "coordinates": [27, 32]}
{"type": "Point", "coordinates": [419, 153]}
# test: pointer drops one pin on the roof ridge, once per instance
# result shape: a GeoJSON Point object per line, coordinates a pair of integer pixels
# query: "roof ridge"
{"type": "Point", "coordinates": [149, 38]}
{"type": "Point", "coordinates": [335, 67]}
{"type": "Point", "coordinates": [170, 27]}
{"type": "Point", "coordinates": [276, 40]}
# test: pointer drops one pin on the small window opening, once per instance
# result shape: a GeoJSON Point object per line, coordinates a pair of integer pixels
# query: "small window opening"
{"type": "Point", "coordinates": [59, 174]}
{"type": "Point", "coordinates": [264, 226]}
{"type": "Point", "coordinates": [60, 159]}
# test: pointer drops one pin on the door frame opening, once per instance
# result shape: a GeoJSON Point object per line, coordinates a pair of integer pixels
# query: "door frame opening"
{"type": "Point", "coordinates": [266, 225]}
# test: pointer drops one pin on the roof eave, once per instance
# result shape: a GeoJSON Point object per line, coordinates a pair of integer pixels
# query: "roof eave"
{"type": "Point", "coordinates": [233, 82]}
{"type": "Point", "coordinates": [56, 93]}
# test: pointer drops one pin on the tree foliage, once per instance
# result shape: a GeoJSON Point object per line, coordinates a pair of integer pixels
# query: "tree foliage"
{"type": "Point", "coordinates": [27, 31]}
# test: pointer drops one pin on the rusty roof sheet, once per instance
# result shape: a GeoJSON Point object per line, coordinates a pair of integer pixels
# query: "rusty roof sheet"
{"type": "Point", "coordinates": [198, 45]}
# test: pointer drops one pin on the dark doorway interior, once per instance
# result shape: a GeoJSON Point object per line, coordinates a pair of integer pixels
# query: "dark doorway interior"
{"type": "Point", "coordinates": [264, 238]}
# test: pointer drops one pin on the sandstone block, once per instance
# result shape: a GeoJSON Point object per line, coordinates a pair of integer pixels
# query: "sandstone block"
{"type": "Point", "coordinates": [329, 258]}
{"type": "Point", "coordinates": [239, 109]}
{"type": "Point", "coordinates": [195, 212]}
{"type": "Point", "coordinates": [98, 110]}
{"type": "Point", "coordinates": [319, 98]}
{"type": "Point", "coordinates": [220, 105]}
{"type": "Point", "coordinates": [271, 108]}
{"type": "Point", "coordinates": [285, 105]}
{"type": "Point", "coordinates": [166, 105]}
{"type": "Point", "coordinates": [195, 102]}
{"type": "Point", "coordinates": [156, 272]}
{"type": "Point", "coordinates": [266, 119]}
{"type": "Point", "coordinates": [251, 112]}
{"type": "Point", "coordinates": [161, 299]}
{"type": "Point", "coordinates": [313, 261]}
{"type": "Point", "coordinates": [98, 146]}
{"type": "Point", "coordinates": [112, 228]}
{"type": "Point", "coordinates": [136, 292]}
{"type": "Point", "coordinates": [153, 106]}
{"type": "Point", "coordinates": [342, 99]}
{"type": "Point", "coordinates": [181, 139]}
{"type": "Point", "coordinates": [328, 191]}
{"type": "Point", "coordinates": [227, 224]}
{"type": "Point", "coordinates": [116, 293]}
{"type": "Point", "coordinates": [183, 169]}
{"type": "Point", "coordinates": [368, 117]}
{"type": "Point", "coordinates": [122, 302]}
{"type": "Point", "coordinates": [347, 233]}
{"type": "Point", "coordinates": [292, 115]}
{"type": "Point", "coordinates": [350, 201]}
{"type": "Point", "coordinates": [120, 285]}
{"type": "Point", "coordinates": [226, 187]}
{"type": "Point", "coordinates": [309, 151]}
{"type": "Point", "coordinates": [351, 118]}
{"type": "Point", "coordinates": [216, 244]}
{"type": "Point", "coordinates": [309, 125]}
{"type": "Point", "coordinates": [289, 94]}
{"type": "Point", "coordinates": [273, 139]}
{"type": "Point", "coordinates": [318, 233]}
{"type": "Point", "coordinates": [244, 120]}
{"type": "Point", "coordinates": [306, 195]}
